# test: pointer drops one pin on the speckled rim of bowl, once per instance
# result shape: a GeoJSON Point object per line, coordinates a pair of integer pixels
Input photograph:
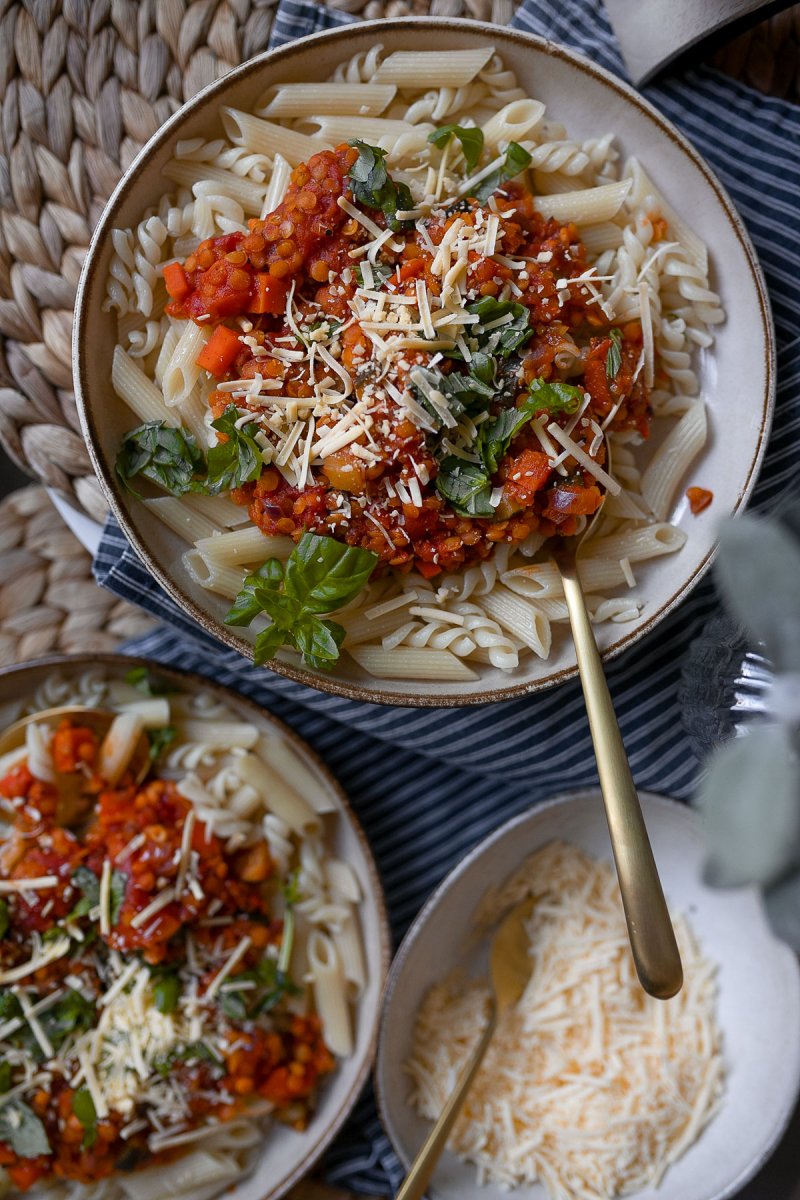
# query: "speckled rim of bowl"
{"type": "Point", "coordinates": [406, 947]}
{"type": "Point", "coordinates": [191, 681]}
{"type": "Point", "coordinates": [110, 484]}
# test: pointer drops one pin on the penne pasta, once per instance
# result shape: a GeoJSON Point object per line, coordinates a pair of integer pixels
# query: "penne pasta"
{"type": "Point", "coordinates": [266, 137]}
{"type": "Point", "coordinates": [587, 206]}
{"type": "Point", "coordinates": [673, 458]}
{"type": "Point", "coordinates": [242, 547]}
{"type": "Point", "coordinates": [225, 581]}
{"type": "Point", "coordinates": [182, 372]}
{"type": "Point", "coordinates": [336, 99]}
{"type": "Point", "coordinates": [277, 795]}
{"type": "Point", "coordinates": [329, 984]}
{"type": "Point", "coordinates": [183, 520]}
{"type": "Point", "coordinates": [139, 393]}
{"type": "Point", "coordinates": [416, 68]}
{"type": "Point", "coordinates": [406, 662]}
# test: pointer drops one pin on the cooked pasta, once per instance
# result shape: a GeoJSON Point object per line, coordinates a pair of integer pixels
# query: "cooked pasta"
{"type": "Point", "coordinates": [413, 320]}
{"type": "Point", "coordinates": [180, 953]}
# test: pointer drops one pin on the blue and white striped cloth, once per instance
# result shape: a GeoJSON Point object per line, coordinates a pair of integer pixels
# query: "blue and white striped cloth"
{"type": "Point", "coordinates": [429, 783]}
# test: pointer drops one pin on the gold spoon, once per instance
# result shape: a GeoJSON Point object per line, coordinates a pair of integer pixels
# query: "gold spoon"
{"type": "Point", "coordinates": [510, 966]}
{"type": "Point", "coordinates": [652, 938]}
{"type": "Point", "coordinates": [106, 726]}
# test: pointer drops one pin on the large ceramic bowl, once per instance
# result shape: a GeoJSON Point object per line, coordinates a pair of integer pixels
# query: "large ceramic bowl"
{"type": "Point", "coordinates": [736, 375]}
{"type": "Point", "coordinates": [286, 1155]}
{"type": "Point", "coordinates": [758, 995]}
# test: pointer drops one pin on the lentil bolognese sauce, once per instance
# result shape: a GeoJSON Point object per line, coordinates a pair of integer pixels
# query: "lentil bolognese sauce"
{"type": "Point", "coordinates": [146, 943]}
{"type": "Point", "coordinates": [392, 343]}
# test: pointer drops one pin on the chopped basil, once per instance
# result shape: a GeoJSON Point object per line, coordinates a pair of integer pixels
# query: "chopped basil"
{"type": "Point", "coordinates": [5, 919]}
{"type": "Point", "coordinates": [496, 435]}
{"type": "Point", "coordinates": [163, 454]}
{"type": "Point", "coordinates": [22, 1130]}
{"type": "Point", "coordinates": [166, 993]}
{"type": "Point", "coordinates": [373, 187]}
{"type": "Point", "coordinates": [381, 271]}
{"type": "Point", "coordinates": [159, 739]}
{"type": "Point", "coordinates": [471, 141]}
{"type": "Point", "coordinates": [614, 356]}
{"type": "Point", "coordinates": [466, 487]}
{"type": "Point", "coordinates": [554, 397]}
{"type": "Point", "coordinates": [194, 1052]}
{"type": "Point", "coordinates": [516, 160]}
{"type": "Point", "coordinates": [272, 985]}
{"type": "Point", "coordinates": [503, 339]}
{"type": "Point", "coordinates": [461, 393]}
{"type": "Point", "coordinates": [140, 677]}
{"type": "Point", "coordinates": [87, 882]}
{"type": "Point", "coordinates": [84, 1109]}
{"type": "Point", "coordinates": [320, 575]}
{"type": "Point", "coordinates": [5, 1077]}
{"type": "Point", "coordinates": [237, 460]}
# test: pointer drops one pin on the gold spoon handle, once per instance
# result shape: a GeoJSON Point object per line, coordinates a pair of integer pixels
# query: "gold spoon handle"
{"type": "Point", "coordinates": [423, 1166]}
{"type": "Point", "coordinates": [652, 938]}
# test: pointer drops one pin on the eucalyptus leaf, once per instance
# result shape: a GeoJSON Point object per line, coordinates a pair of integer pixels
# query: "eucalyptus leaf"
{"type": "Point", "coordinates": [749, 802]}
{"type": "Point", "coordinates": [782, 902]}
{"type": "Point", "coordinates": [758, 572]}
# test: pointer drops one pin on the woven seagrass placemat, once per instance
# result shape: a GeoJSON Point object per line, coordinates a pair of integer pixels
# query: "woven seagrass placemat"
{"type": "Point", "coordinates": [83, 83]}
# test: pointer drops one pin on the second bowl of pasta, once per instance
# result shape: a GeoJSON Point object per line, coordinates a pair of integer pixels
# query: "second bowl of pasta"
{"type": "Point", "coordinates": [349, 353]}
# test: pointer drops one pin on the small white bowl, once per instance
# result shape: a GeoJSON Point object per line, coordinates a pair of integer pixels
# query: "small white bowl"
{"type": "Point", "coordinates": [758, 1003]}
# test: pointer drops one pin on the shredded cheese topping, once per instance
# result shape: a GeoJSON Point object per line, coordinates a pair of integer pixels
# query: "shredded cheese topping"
{"type": "Point", "coordinates": [590, 1086]}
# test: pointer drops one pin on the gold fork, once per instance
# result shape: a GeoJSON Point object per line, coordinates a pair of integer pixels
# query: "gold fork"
{"type": "Point", "coordinates": [652, 938]}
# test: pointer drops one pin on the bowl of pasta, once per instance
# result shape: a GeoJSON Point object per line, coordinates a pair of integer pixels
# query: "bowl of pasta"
{"type": "Point", "coordinates": [192, 953]}
{"type": "Point", "coordinates": [349, 353]}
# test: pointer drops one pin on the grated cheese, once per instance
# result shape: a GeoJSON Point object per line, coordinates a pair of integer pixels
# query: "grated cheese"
{"type": "Point", "coordinates": [105, 898]}
{"type": "Point", "coordinates": [225, 970]}
{"type": "Point", "coordinates": [590, 1086]}
{"type": "Point", "coordinates": [28, 885]}
{"type": "Point", "coordinates": [583, 458]}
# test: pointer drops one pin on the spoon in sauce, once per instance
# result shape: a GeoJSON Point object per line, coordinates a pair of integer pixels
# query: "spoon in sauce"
{"type": "Point", "coordinates": [123, 747]}
{"type": "Point", "coordinates": [652, 938]}
{"type": "Point", "coordinates": [510, 966]}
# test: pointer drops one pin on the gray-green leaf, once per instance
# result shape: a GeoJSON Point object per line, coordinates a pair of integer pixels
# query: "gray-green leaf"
{"type": "Point", "coordinates": [22, 1130]}
{"type": "Point", "coordinates": [758, 571]}
{"type": "Point", "coordinates": [749, 803]}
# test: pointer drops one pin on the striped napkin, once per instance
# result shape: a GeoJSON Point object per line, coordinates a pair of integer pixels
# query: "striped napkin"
{"type": "Point", "coordinates": [429, 783]}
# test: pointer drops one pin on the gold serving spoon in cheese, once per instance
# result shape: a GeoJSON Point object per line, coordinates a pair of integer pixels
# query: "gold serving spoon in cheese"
{"type": "Point", "coordinates": [510, 966]}
{"type": "Point", "coordinates": [652, 938]}
{"type": "Point", "coordinates": [116, 733]}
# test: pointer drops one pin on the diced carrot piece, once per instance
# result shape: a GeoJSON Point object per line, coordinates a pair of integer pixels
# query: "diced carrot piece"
{"type": "Point", "coordinates": [176, 281]}
{"type": "Point", "coordinates": [219, 351]}
{"type": "Point", "coordinates": [699, 498]}
{"type": "Point", "coordinates": [428, 569]}
{"type": "Point", "coordinates": [270, 294]}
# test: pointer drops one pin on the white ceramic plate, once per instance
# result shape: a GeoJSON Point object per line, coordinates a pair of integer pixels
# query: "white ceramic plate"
{"type": "Point", "coordinates": [286, 1155]}
{"type": "Point", "coordinates": [758, 1006]}
{"type": "Point", "coordinates": [736, 375]}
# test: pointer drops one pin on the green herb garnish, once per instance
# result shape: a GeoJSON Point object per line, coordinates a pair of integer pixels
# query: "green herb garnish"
{"type": "Point", "coordinates": [503, 339]}
{"type": "Point", "coordinates": [22, 1130]}
{"type": "Point", "coordinates": [614, 356]}
{"type": "Point", "coordinates": [471, 141]}
{"type": "Point", "coordinates": [381, 271]}
{"type": "Point", "coordinates": [5, 1077]}
{"type": "Point", "coordinates": [166, 993]}
{"type": "Point", "coordinates": [140, 678]}
{"type": "Point", "coordinates": [5, 919]}
{"type": "Point", "coordinates": [87, 882]}
{"type": "Point", "coordinates": [516, 160]}
{"type": "Point", "coordinates": [159, 739]}
{"type": "Point", "coordinates": [373, 187]}
{"type": "Point", "coordinates": [320, 575]}
{"type": "Point", "coordinates": [85, 1111]}
{"type": "Point", "coordinates": [236, 461]}
{"type": "Point", "coordinates": [466, 487]}
{"type": "Point", "coordinates": [163, 454]}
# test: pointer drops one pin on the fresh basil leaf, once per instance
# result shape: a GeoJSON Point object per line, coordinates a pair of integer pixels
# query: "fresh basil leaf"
{"type": "Point", "coordinates": [381, 271]}
{"type": "Point", "coordinates": [323, 574]}
{"type": "Point", "coordinates": [318, 641]}
{"type": "Point", "coordinates": [22, 1130]}
{"type": "Point", "coordinates": [236, 461]}
{"type": "Point", "coordinates": [167, 456]}
{"type": "Point", "coordinates": [471, 141]}
{"type": "Point", "coordinates": [5, 1077]}
{"type": "Point", "coordinates": [5, 919]}
{"type": "Point", "coordinates": [246, 607]}
{"type": "Point", "coordinates": [373, 187]}
{"type": "Point", "coordinates": [119, 883]}
{"type": "Point", "coordinates": [466, 487]}
{"type": "Point", "coordinates": [516, 160]}
{"type": "Point", "coordinates": [159, 739]}
{"type": "Point", "coordinates": [84, 1109]}
{"type": "Point", "coordinates": [9, 1005]}
{"type": "Point", "coordinates": [199, 1052]}
{"type": "Point", "coordinates": [504, 339]}
{"type": "Point", "coordinates": [554, 397]}
{"type": "Point", "coordinates": [496, 435]}
{"type": "Point", "coordinates": [320, 576]}
{"type": "Point", "coordinates": [614, 356]}
{"type": "Point", "coordinates": [74, 1014]}
{"type": "Point", "coordinates": [268, 643]}
{"type": "Point", "coordinates": [233, 1005]}
{"type": "Point", "coordinates": [140, 677]}
{"type": "Point", "coordinates": [87, 882]}
{"type": "Point", "coordinates": [462, 393]}
{"type": "Point", "coordinates": [166, 993]}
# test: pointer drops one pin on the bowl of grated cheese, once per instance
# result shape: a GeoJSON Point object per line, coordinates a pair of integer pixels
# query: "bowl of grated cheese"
{"type": "Point", "coordinates": [591, 1088]}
